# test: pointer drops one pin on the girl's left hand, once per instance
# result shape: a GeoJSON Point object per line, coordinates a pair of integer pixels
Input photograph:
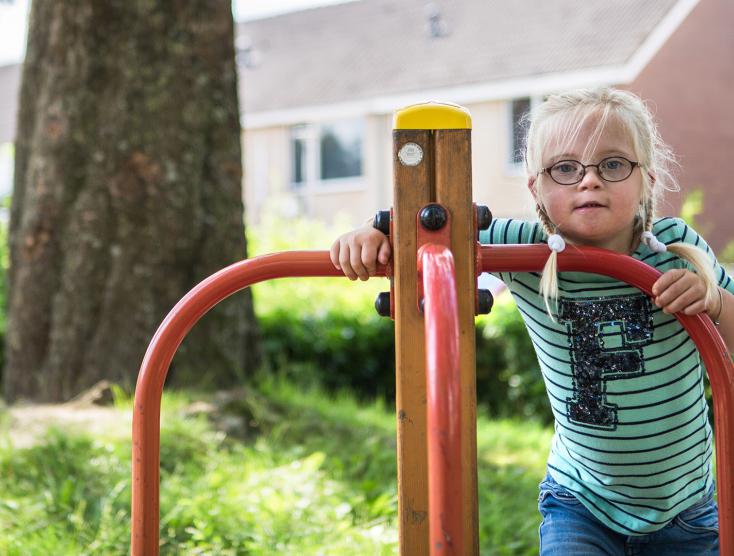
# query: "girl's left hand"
{"type": "Point", "coordinates": [681, 290]}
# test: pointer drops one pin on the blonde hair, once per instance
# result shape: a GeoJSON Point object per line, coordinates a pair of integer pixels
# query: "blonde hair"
{"type": "Point", "coordinates": [561, 118]}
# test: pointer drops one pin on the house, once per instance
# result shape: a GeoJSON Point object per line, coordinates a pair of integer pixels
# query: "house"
{"type": "Point", "coordinates": [9, 88]}
{"type": "Point", "coordinates": [319, 87]}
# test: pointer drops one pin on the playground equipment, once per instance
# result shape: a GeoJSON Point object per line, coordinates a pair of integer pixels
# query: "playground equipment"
{"type": "Point", "coordinates": [433, 228]}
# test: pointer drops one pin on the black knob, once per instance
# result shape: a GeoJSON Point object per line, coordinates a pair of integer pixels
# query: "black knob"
{"type": "Point", "coordinates": [382, 304]}
{"type": "Point", "coordinates": [485, 302]}
{"type": "Point", "coordinates": [382, 221]}
{"type": "Point", "coordinates": [484, 217]}
{"type": "Point", "coordinates": [433, 217]}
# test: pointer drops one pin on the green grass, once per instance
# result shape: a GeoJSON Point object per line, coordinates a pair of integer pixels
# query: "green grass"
{"type": "Point", "coordinates": [309, 474]}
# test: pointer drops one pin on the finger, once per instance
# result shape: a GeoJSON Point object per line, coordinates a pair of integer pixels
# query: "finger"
{"type": "Point", "coordinates": [344, 261]}
{"type": "Point", "coordinates": [676, 289]}
{"type": "Point", "coordinates": [686, 298]}
{"type": "Point", "coordinates": [355, 259]}
{"type": "Point", "coordinates": [666, 280]}
{"type": "Point", "coordinates": [369, 257]}
{"type": "Point", "coordinates": [334, 254]}
{"type": "Point", "coordinates": [695, 308]}
{"type": "Point", "coordinates": [383, 255]}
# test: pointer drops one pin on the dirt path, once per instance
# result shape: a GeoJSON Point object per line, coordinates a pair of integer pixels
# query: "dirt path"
{"type": "Point", "coordinates": [24, 425]}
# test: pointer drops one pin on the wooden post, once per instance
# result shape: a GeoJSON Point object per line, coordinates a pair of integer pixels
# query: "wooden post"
{"type": "Point", "coordinates": [432, 163]}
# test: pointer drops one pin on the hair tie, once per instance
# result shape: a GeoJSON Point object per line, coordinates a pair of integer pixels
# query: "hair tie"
{"type": "Point", "coordinates": [556, 243]}
{"type": "Point", "coordinates": [653, 243]}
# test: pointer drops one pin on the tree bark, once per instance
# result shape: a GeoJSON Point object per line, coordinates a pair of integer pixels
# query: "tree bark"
{"type": "Point", "coordinates": [127, 192]}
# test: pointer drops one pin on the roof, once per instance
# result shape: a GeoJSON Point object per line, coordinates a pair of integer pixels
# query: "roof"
{"type": "Point", "coordinates": [368, 49]}
{"type": "Point", "coordinates": [9, 90]}
{"type": "Point", "coordinates": [371, 48]}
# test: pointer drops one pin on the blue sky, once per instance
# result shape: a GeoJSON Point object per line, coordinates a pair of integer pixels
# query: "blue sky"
{"type": "Point", "coordinates": [13, 14]}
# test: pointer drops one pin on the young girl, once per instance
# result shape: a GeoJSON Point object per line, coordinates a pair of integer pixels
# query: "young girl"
{"type": "Point", "coordinates": [629, 470]}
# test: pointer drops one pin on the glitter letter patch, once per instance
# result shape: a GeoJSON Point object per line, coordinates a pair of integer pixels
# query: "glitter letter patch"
{"type": "Point", "coordinates": [605, 336]}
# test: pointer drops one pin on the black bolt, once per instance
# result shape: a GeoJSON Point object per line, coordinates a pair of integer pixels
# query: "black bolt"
{"type": "Point", "coordinates": [433, 217]}
{"type": "Point", "coordinates": [422, 305]}
{"type": "Point", "coordinates": [484, 217]}
{"type": "Point", "coordinates": [382, 221]}
{"type": "Point", "coordinates": [382, 304]}
{"type": "Point", "coordinates": [485, 302]}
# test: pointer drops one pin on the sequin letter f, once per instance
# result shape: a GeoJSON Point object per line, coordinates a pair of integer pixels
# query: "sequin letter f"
{"type": "Point", "coordinates": [606, 337]}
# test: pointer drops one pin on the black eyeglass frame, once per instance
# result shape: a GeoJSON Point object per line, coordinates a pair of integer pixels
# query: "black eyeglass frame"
{"type": "Point", "coordinates": [548, 169]}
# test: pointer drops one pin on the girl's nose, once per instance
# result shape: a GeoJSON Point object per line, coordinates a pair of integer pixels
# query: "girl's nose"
{"type": "Point", "coordinates": [591, 179]}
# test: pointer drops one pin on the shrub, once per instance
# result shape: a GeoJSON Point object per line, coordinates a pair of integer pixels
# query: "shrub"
{"type": "Point", "coordinates": [321, 331]}
{"type": "Point", "coordinates": [509, 382]}
{"type": "Point", "coordinates": [325, 332]}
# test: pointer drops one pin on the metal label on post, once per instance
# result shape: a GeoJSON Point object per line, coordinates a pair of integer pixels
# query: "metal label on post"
{"type": "Point", "coordinates": [410, 154]}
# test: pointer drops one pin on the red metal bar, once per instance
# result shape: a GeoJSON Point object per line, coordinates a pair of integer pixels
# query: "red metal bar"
{"type": "Point", "coordinates": [170, 334]}
{"type": "Point", "coordinates": [523, 258]}
{"type": "Point", "coordinates": [529, 258]}
{"type": "Point", "coordinates": [443, 392]}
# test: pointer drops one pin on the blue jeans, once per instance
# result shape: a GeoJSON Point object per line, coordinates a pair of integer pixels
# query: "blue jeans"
{"type": "Point", "coordinates": [569, 529]}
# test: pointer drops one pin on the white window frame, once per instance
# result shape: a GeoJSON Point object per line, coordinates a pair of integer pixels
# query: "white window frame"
{"type": "Point", "coordinates": [7, 167]}
{"type": "Point", "coordinates": [513, 169]}
{"type": "Point", "coordinates": [310, 133]}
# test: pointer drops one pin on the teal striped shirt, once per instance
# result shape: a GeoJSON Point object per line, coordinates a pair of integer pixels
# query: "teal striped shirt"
{"type": "Point", "coordinates": [625, 383]}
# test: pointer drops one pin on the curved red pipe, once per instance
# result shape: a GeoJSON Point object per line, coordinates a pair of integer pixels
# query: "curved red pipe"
{"type": "Point", "coordinates": [443, 392]}
{"type": "Point", "coordinates": [163, 346]}
{"type": "Point", "coordinates": [530, 258]}
{"type": "Point", "coordinates": [523, 258]}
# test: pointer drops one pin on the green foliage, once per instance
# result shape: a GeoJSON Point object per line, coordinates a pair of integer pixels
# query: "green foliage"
{"type": "Point", "coordinates": [325, 331]}
{"type": "Point", "coordinates": [319, 478]}
{"type": "Point", "coordinates": [509, 382]}
{"type": "Point", "coordinates": [692, 206]}
{"type": "Point", "coordinates": [65, 496]}
{"type": "Point", "coordinates": [307, 296]}
{"type": "Point", "coordinates": [511, 461]}
{"type": "Point", "coordinates": [337, 350]}
{"type": "Point", "coordinates": [322, 330]}
{"type": "Point", "coordinates": [727, 253]}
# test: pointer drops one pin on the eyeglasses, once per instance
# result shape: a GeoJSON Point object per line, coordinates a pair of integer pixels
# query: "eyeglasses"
{"type": "Point", "coordinates": [571, 172]}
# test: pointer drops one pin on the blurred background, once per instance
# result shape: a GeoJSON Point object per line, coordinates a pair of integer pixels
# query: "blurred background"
{"type": "Point", "coordinates": [143, 146]}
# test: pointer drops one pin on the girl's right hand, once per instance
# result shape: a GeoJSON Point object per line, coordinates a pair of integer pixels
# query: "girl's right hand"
{"type": "Point", "coordinates": [357, 253]}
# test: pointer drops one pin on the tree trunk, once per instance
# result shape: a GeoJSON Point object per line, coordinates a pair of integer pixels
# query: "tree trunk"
{"type": "Point", "coordinates": [127, 193]}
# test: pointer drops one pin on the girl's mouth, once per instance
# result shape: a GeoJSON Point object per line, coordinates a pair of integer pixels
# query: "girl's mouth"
{"type": "Point", "coordinates": [589, 205]}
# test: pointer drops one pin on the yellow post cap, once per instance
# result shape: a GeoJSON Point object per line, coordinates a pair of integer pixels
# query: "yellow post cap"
{"type": "Point", "coordinates": [432, 115]}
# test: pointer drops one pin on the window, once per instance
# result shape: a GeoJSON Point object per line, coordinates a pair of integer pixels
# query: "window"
{"type": "Point", "coordinates": [341, 150]}
{"type": "Point", "coordinates": [517, 126]}
{"type": "Point", "coordinates": [519, 108]}
{"type": "Point", "coordinates": [7, 155]}
{"type": "Point", "coordinates": [326, 153]}
{"type": "Point", "coordinates": [299, 157]}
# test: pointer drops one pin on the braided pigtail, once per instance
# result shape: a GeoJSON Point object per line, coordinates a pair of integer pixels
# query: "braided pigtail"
{"type": "Point", "coordinates": [549, 276]}
{"type": "Point", "coordinates": [643, 220]}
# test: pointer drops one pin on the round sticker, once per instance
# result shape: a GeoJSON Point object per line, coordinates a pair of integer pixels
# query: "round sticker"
{"type": "Point", "coordinates": [410, 154]}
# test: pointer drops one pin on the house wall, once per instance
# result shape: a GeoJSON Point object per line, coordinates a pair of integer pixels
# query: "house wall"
{"type": "Point", "coordinates": [495, 183]}
{"type": "Point", "coordinates": [689, 82]}
{"type": "Point", "coordinates": [266, 166]}
{"type": "Point", "coordinates": [9, 90]}
{"type": "Point", "coordinates": [267, 173]}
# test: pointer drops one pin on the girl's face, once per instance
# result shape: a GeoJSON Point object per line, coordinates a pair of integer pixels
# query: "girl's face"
{"type": "Point", "coordinates": [592, 212]}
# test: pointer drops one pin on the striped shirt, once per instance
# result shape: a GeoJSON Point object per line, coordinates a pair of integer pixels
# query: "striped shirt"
{"type": "Point", "coordinates": [625, 383]}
